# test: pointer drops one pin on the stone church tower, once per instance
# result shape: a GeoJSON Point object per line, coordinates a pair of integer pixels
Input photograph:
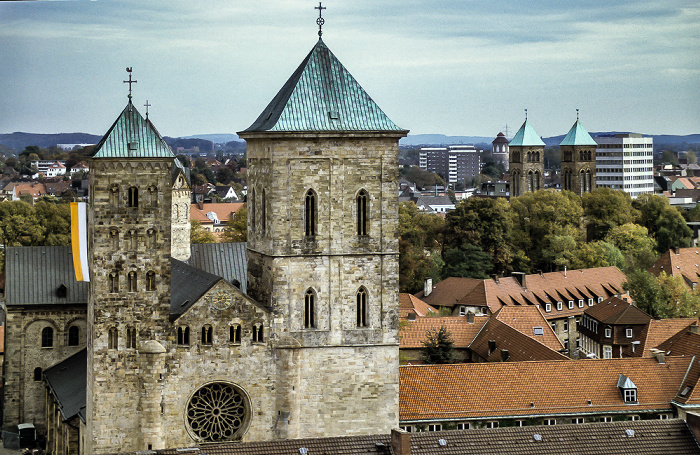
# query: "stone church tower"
{"type": "Point", "coordinates": [578, 160]}
{"type": "Point", "coordinates": [526, 161]}
{"type": "Point", "coordinates": [323, 248]}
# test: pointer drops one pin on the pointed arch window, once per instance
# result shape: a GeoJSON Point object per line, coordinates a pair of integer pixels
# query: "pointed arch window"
{"type": "Point", "coordinates": [113, 338]}
{"type": "Point", "coordinates": [183, 336]}
{"type": "Point", "coordinates": [310, 309]}
{"type": "Point", "coordinates": [47, 337]}
{"type": "Point", "coordinates": [234, 335]}
{"type": "Point", "coordinates": [74, 336]}
{"type": "Point", "coordinates": [150, 280]}
{"type": "Point", "coordinates": [207, 333]}
{"type": "Point", "coordinates": [133, 200]}
{"type": "Point", "coordinates": [132, 285]}
{"type": "Point", "coordinates": [361, 309]}
{"type": "Point", "coordinates": [362, 222]}
{"type": "Point", "coordinates": [310, 214]}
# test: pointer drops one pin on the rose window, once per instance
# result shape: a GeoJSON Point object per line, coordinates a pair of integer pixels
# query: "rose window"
{"type": "Point", "coordinates": [217, 412]}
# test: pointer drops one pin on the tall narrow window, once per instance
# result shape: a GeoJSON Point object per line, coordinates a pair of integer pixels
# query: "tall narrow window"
{"type": "Point", "coordinates": [263, 213]}
{"type": "Point", "coordinates": [133, 239]}
{"type": "Point", "coordinates": [153, 193]}
{"type": "Point", "coordinates": [133, 197]}
{"type": "Point", "coordinates": [310, 214]}
{"type": "Point", "coordinates": [114, 239]}
{"type": "Point", "coordinates": [183, 336]}
{"type": "Point", "coordinates": [132, 281]}
{"type": "Point", "coordinates": [47, 337]}
{"type": "Point", "coordinates": [234, 335]}
{"type": "Point", "coordinates": [114, 196]}
{"type": "Point", "coordinates": [114, 282]}
{"type": "Point", "coordinates": [151, 238]}
{"type": "Point", "coordinates": [38, 374]}
{"type": "Point", "coordinates": [251, 207]}
{"type": "Point", "coordinates": [150, 280]}
{"type": "Point", "coordinates": [362, 213]}
{"type": "Point", "coordinates": [113, 338]}
{"type": "Point", "coordinates": [257, 333]}
{"type": "Point", "coordinates": [309, 309]}
{"type": "Point", "coordinates": [130, 338]}
{"type": "Point", "coordinates": [74, 336]}
{"type": "Point", "coordinates": [206, 334]}
{"type": "Point", "coordinates": [362, 308]}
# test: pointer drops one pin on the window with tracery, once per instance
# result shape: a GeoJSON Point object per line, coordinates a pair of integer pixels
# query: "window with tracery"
{"type": "Point", "coordinates": [361, 308]}
{"type": "Point", "coordinates": [310, 214]}
{"type": "Point", "coordinates": [362, 213]}
{"type": "Point", "coordinates": [309, 309]}
{"type": "Point", "coordinates": [217, 412]}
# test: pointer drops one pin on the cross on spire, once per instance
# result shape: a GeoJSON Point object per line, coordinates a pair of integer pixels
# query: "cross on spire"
{"type": "Point", "coordinates": [320, 21]}
{"type": "Point", "coordinates": [526, 115]}
{"type": "Point", "coordinates": [577, 115]}
{"type": "Point", "coordinates": [128, 70]}
{"type": "Point", "coordinates": [147, 105]}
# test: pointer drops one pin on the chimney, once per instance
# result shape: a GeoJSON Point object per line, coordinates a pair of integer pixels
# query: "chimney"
{"type": "Point", "coordinates": [564, 271]}
{"type": "Point", "coordinates": [520, 277]}
{"type": "Point", "coordinates": [492, 346]}
{"type": "Point", "coordinates": [676, 250]}
{"type": "Point", "coordinates": [200, 204]}
{"type": "Point", "coordinates": [495, 278]}
{"type": "Point", "coordinates": [694, 328]}
{"type": "Point", "coordinates": [660, 356]}
{"type": "Point", "coordinates": [427, 287]}
{"type": "Point", "coordinates": [470, 318]}
{"type": "Point", "coordinates": [505, 355]}
{"type": "Point", "coordinates": [400, 442]}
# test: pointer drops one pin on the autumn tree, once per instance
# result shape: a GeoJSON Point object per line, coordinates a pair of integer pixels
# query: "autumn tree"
{"type": "Point", "coordinates": [665, 296]}
{"type": "Point", "coordinates": [200, 235]}
{"type": "Point", "coordinates": [438, 348]}
{"type": "Point", "coordinates": [420, 243]}
{"type": "Point", "coordinates": [604, 209]}
{"type": "Point", "coordinates": [236, 229]}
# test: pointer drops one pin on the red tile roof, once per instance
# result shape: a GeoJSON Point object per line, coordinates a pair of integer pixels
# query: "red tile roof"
{"type": "Point", "coordinates": [496, 336]}
{"type": "Point", "coordinates": [409, 304]}
{"type": "Point", "coordinates": [413, 334]}
{"type": "Point", "coordinates": [525, 319]}
{"type": "Point", "coordinates": [683, 262]}
{"type": "Point", "coordinates": [686, 344]}
{"type": "Point", "coordinates": [449, 291]}
{"type": "Point", "coordinates": [223, 210]}
{"type": "Point", "coordinates": [617, 311]}
{"type": "Point", "coordinates": [656, 332]}
{"type": "Point", "coordinates": [559, 387]}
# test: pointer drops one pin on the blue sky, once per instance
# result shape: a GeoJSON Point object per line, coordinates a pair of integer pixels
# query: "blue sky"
{"type": "Point", "coordinates": [454, 67]}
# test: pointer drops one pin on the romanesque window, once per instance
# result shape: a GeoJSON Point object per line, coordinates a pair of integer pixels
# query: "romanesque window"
{"type": "Point", "coordinates": [361, 308]}
{"type": "Point", "coordinates": [151, 238]}
{"type": "Point", "coordinates": [133, 239]}
{"type": "Point", "coordinates": [114, 196]}
{"type": "Point", "coordinates": [183, 336]}
{"type": "Point", "coordinates": [258, 333]}
{"type": "Point", "coordinates": [263, 213]}
{"type": "Point", "coordinates": [133, 200]}
{"type": "Point", "coordinates": [114, 239]}
{"type": "Point", "coordinates": [362, 213]}
{"type": "Point", "coordinates": [113, 338]}
{"type": "Point", "coordinates": [113, 282]}
{"type": "Point", "coordinates": [38, 374]}
{"type": "Point", "coordinates": [530, 182]}
{"type": "Point", "coordinates": [207, 333]}
{"type": "Point", "coordinates": [234, 335]}
{"type": "Point", "coordinates": [537, 157]}
{"type": "Point", "coordinates": [310, 214]}
{"type": "Point", "coordinates": [309, 309]}
{"type": "Point", "coordinates": [47, 337]}
{"type": "Point", "coordinates": [153, 194]}
{"type": "Point", "coordinates": [150, 280]}
{"type": "Point", "coordinates": [252, 207]}
{"type": "Point", "coordinates": [529, 157]}
{"type": "Point", "coordinates": [217, 412]}
{"type": "Point", "coordinates": [130, 338]}
{"type": "Point", "coordinates": [74, 336]}
{"type": "Point", "coordinates": [132, 285]}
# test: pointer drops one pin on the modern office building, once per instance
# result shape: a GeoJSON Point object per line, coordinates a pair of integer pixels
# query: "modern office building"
{"type": "Point", "coordinates": [455, 164]}
{"type": "Point", "coordinates": [625, 162]}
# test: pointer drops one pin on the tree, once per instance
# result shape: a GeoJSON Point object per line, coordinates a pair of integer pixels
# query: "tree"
{"type": "Point", "coordinates": [691, 157]}
{"type": "Point", "coordinates": [236, 229]}
{"type": "Point", "coordinates": [634, 244]}
{"type": "Point", "coordinates": [644, 290]}
{"type": "Point", "coordinates": [664, 223]}
{"type": "Point", "coordinates": [421, 178]}
{"type": "Point", "coordinates": [420, 242]}
{"type": "Point", "coordinates": [665, 296]}
{"type": "Point", "coordinates": [200, 235]}
{"type": "Point", "coordinates": [668, 157]}
{"type": "Point", "coordinates": [466, 261]}
{"type": "Point", "coordinates": [605, 208]}
{"type": "Point", "coordinates": [438, 348]}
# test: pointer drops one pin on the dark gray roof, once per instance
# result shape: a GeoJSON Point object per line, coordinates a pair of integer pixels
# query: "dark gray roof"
{"type": "Point", "coordinates": [34, 274]}
{"type": "Point", "coordinates": [227, 260]}
{"type": "Point", "coordinates": [67, 382]}
{"type": "Point", "coordinates": [187, 285]}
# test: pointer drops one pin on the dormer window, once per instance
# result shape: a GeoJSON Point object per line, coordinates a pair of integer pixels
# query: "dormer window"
{"type": "Point", "coordinates": [538, 330]}
{"type": "Point", "coordinates": [590, 301]}
{"type": "Point", "coordinates": [571, 304]}
{"type": "Point", "coordinates": [548, 307]}
{"type": "Point", "coordinates": [628, 389]}
{"type": "Point", "coordinates": [629, 333]}
{"type": "Point", "coordinates": [559, 306]}
{"type": "Point", "coordinates": [580, 303]}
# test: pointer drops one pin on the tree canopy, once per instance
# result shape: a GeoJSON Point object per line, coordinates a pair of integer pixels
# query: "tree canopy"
{"type": "Point", "coordinates": [438, 347]}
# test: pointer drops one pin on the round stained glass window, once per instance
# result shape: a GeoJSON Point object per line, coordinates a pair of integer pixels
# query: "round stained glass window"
{"type": "Point", "coordinates": [216, 412]}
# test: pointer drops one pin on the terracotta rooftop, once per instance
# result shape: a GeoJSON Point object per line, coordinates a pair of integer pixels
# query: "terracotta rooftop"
{"type": "Point", "coordinates": [525, 318]}
{"type": "Point", "coordinates": [496, 337]}
{"type": "Point", "coordinates": [656, 332]}
{"type": "Point", "coordinates": [686, 344]}
{"type": "Point", "coordinates": [683, 262]}
{"type": "Point", "coordinates": [559, 387]}
{"type": "Point", "coordinates": [223, 210]}
{"type": "Point", "coordinates": [409, 304]}
{"type": "Point", "coordinates": [413, 335]}
{"type": "Point", "coordinates": [34, 189]}
{"type": "Point", "coordinates": [449, 291]}
{"type": "Point", "coordinates": [617, 311]}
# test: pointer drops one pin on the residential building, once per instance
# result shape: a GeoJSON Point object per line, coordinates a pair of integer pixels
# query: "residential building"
{"type": "Point", "coordinates": [50, 168]}
{"type": "Point", "coordinates": [625, 162]}
{"type": "Point", "coordinates": [413, 334]}
{"type": "Point", "coordinates": [214, 216]}
{"type": "Point", "coordinates": [456, 164]}
{"type": "Point", "coordinates": [679, 262]}
{"type": "Point", "coordinates": [578, 165]}
{"type": "Point", "coordinates": [526, 161]}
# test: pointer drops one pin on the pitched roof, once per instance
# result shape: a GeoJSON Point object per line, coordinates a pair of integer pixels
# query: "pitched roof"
{"type": "Point", "coordinates": [524, 319]}
{"type": "Point", "coordinates": [449, 291]}
{"type": "Point", "coordinates": [224, 211]}
{"type": "Point", "coordinates": [686, 344]}
{"type": "Point", "coordinates": [34, 189]}
{"type": "Point", "coordinates": [554, 387]}
{"type": "Point", "coordinates": [617, 311]}
{"type": "Point", "coordinates": [67, 383]}
{"type": "Point", "coordinates": [578, 135]}
{"type": "Point", "coordinates": [526, 136]}
{"type": "Point", "coordinates": [187, 285]}
{"type": "Point", "coordinates": [656, 332]}
{"type": "Point", "coordinates": [462, 331]}
{"type": "Point", "coordinates": [322, 95]}
{"type": "Point", "coordinates": [409, 304]}
{"type": "Point", "coordinates": [519, 346]}
{"type": "Point", "coordinates": [227, 260]}
{"type": "Point", "coordinates": [132, 136]}
{"type": "Point", "coordinates": [683, 262]}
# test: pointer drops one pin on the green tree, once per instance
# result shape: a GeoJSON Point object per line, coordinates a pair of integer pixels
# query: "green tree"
{"type": "Point", "coordinates": [236, 229]}
{"type": "Point", "coordinates": [200, 235]}
{"type": "Point", "coordinates": [420, 242]}
{"type": "Point", "coordinates": [691, 157]}
{"type": "Point", "coordinates": [665, 296]}
{"type": "Point", "coordinates": [664, 223]}
{"type": "Point", "coordinates": [438, 348]}
{"type": "Point", "coordinates": [605, 208]}
{"type": "Point", "coordinates": [55, 219]}
{"type": "Point", "coordinates": [668, 157]}
{"type": "Point", "coordinates": [466, 261]}
{"type": "Point", "coordinates": [644, 290]}
{"type": "Point", "coordinates": [593, 254]}
{"type": "Point", "coordinates": [421, 178]}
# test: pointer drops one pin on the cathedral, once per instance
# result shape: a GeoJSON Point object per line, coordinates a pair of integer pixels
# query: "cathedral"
{"type": "Point", "coordinates": [293, 334]}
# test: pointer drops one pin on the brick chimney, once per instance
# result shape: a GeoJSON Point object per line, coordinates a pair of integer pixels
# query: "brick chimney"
{"type": "Point", "coordinates": [400, 442]}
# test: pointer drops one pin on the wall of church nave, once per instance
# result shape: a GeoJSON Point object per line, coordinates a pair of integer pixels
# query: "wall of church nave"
{"type": "Point", "coordinates": [36, 339]}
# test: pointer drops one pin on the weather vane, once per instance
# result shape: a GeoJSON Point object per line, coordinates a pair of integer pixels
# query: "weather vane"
{"type": "Point", "coordinates": [147, 105]}
{"type": "Point", "coordinates": [320, 21]}
{"type": "Point", "coordinates": [128, 70]}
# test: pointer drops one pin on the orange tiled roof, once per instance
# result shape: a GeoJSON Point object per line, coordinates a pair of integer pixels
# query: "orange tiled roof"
{"type": "Point", "coordinates": [409, 304]}
{"type": "Point", "coordinates": [656, 332]}
{"type": "Point", "coordinates": [463, 332]}
{"type": "Point", "coordinates": [223, 210]}
{"type": "Point", "coordinates": [617, 311]}
{"type": "Point", "coordinates": [686, 344]}
{"type": "Point", "coordinates": [449, 291]}
{"type": "Point", "coordinates": [524, 319]}
{"type": "Point", "coordinates": [34, 189]}
{"type": "Point", "coordinates": [554, 387]}
{"type": "Point", "coordinates": [520, 346]}
{"type": "Point", "coordinates": [683, 262]}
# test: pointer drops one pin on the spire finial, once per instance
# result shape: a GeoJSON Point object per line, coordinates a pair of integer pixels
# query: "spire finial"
{"type": "Point", "coordinates": [320, 21]}
{"type": "Point", "coordinates": [577, 115]}
{"type": "Point", "coordinates": [526, 115]}
{"type": "Point", "coordinates": [128, 70]}
{"type": "Point", "coordinates": [147, 105]}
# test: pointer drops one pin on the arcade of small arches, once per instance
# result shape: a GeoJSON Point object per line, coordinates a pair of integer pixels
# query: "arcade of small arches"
{"type": "Point", "coordinates": [361, 308]}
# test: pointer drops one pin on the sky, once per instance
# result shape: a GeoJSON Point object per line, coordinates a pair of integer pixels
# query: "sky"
{"type": "Point", "coordinates": [455, 67]}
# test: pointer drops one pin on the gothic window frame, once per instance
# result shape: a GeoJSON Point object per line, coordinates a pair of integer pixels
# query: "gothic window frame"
{"type": "Point", "coordinates": [361, 308]}
{"type": "Point", "coordinates": [310, 213]}
{"type": "Point", "coordinates": [150, 281]}
{"type": "Point", "coordinates": [47, 337]}
{"type": "Point", "coordinates": [207, 338]}
{"type": "Point", "coordinates": [133, 197]}
{"type": "Point", "coordinates": [74, 335]}
{"type": "Point", "coordinates": [218, 411]}
{"type": "Point", "coordinates": [362, 209]}
{"type": "Point", "coordinates": [309, 321]}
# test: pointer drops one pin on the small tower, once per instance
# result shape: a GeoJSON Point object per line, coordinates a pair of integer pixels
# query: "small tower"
{"type": "Point", "coordinates": [500, 150]}
{"type": "Point", "coordinates": [578, 160]}
{"type": "Point", "coordinates": [526, 161]}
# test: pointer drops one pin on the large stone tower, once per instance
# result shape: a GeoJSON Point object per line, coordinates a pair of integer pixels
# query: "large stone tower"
{"type": "Point", "coordinates": [578, 160]}
{"type": "Point", "coordinates": [323, 248]}
{"type": "Point", "coordinates": [129, 219]}
{"type": "Point", "coordinates": [526, 161]}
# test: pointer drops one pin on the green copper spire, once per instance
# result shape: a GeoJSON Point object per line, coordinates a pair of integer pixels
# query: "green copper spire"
{"type": "Point", "coordinates": [526, 137]}
{"type": "Point", "coordinates": [578, 136]}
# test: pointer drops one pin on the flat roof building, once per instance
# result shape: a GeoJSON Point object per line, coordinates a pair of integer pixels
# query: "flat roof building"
{"type": "Point", "coordinates": [625, 162]}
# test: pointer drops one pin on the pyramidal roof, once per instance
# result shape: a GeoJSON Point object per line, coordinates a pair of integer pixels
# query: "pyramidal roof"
{"type": "Point", "coordinates": [132, 136]}
{"type": "Point", "coordinates": [322, 95]}
{"type": "Point", "coordinates": [578, 135]}
{"type": "Point", "coordinates": [526, 136]}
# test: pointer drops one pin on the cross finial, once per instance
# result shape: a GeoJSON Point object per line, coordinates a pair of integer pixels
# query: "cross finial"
{"type": "Point", "coordinates": [577, 115]}
{"type": "Point", "coordinates": [526, 115]}
{"type": "Point", "coordinates": [320, 21]}
{"type": "Point", "coordinates": [147, 105]}
{"type": "Point", "coordinates": [128, 70]}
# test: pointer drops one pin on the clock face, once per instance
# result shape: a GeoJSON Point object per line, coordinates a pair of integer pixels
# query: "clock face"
{"type": "Point", "coordinates": [221, 300]}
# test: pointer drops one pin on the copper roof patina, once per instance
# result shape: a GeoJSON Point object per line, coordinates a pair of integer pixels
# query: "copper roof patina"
{"type": "Point", "coordinates": [322, 95]}
{"type": "Point", "coordinates": [526, 137]}
{"type": "Point", "coordinates": [578, 135]}
{"type": "Point", "coordinates": [132, 136]}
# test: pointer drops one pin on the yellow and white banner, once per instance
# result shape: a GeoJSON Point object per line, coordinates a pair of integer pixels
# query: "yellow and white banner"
{"type": "Point", "coordinates": [78, 233]}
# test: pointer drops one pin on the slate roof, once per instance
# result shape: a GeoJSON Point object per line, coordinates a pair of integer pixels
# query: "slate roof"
{"type": "Point", "coordinates": [683, 262]}
{"type": "Point", "coordinates": [227, 260]}
{"type": "Point", "coordinates": [187, 285]}
{"type": "Point", "coordinates": [413, 334]}
{"type": "Point", "coordinates": [651, 437]}
{"type": "Point", "coordinates": [526, 136]}
{"type": "Point", "coordinates": [34, 274]}
{"type": "Point", "coordinates": [578, 135]}
{"type": "Point", "coordinates": [67, 383]}
{"type": "Point", "coordinates": [656, 332]}
{"type": "Point", "coordinates": [322, 95]}
{"type": "Point", "coordinates": [525, 319]}
{"type": "Point", "coordinates": [553, 387]}
{"type": "Point", "coordinates": [616, 311]}
{"type": "Point", "coordinates": [131, 128]}
{"type": "Point", "coordinates": [409, 304]}
{"type": "Point", "coordinates": [520, 346]}
{"type": "Point", "coordinates": [449, 291]}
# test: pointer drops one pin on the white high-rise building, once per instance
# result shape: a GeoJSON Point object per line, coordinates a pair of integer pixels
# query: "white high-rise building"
{"type": "Point", "coordinates": [625, 162]}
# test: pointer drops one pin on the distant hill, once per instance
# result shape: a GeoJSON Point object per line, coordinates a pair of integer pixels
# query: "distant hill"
{"type": "Point", "coordinates": [443, 140]}
{"type": "Point", "coordinates": [19, 141]}
{"type": "Point", "coordinates": [215, 138]}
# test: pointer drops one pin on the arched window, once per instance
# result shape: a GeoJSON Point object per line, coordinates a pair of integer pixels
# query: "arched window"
{"type": "Point", "coordinates": [47, 337]}
{"type": "Point", "coordinates": [113, 282]}
{"type": "Point", "coordinates": [537, 180]}
{"type": "Point", "coordinates": [263, 213]}
{"type": "Point", "coordinates": [153, 194]}
{"type": "Point", "coordinates": [183, 336]}
{"type": "Point", "coordinates": [132, 282]}
{"type": "Point", "coordinates": [38, 374]}
{"type": "Point", "coordinates": [257, 333]}
{"type": "Point", "coordinates": [362, 308]}
{"type": "Point", "coordinates": [530, 182]}
{"type": "Point", "coordinates": [133, 239]}
{"type": "Point", "coordinates": [133, 200]}
{"type": "Point", "coordinates": [113, 338]}
{"type": "Point", "coordinates": [130, 338]}
{"type": "Point", "coordinates": [114, 196]}
{"type": "Point", "coordinates": [74, 335]}
{"type": "Point", "coordinates": [234, 334]}
{"type": "Point", "coordinates": [150, 280]}
{"type": "Point", "coordinates": [310, 214]}
{"type": "Point", "coordinates": [362, 221]}
{"type": "Point", "coordinates": [582, 177]}
{"type": "Point", "coordinates": [251, 207]}
{"type": "Point", "coordinates": [151, 238]}
{"type": "Point", "coordinates": [309, 309]}
{"type": "Point", "coordinates": [206, 335]}
{"type": "Point", "coordinates": [114, 238]}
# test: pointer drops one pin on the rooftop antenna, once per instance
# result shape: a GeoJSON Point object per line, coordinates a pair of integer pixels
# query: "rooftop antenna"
{"type": "Point", "coordinates": [507, 130]}
{"type": "Point", "coordinates": [320, 21]}
{"type": "Point", "coordinates": [128, 70]}
{"type": "Point", "coordinates": [147, 105]}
